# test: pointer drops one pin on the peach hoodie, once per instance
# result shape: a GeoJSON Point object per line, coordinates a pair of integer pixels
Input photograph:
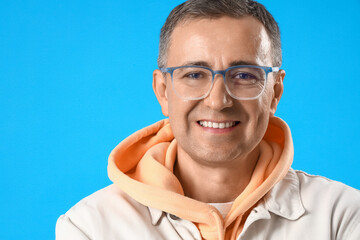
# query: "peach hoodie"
{"type": "Point", "coordinates": [142, 166]}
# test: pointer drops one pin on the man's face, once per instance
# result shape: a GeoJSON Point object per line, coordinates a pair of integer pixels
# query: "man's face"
{"type": "Point", "coordinates": [219, 44]}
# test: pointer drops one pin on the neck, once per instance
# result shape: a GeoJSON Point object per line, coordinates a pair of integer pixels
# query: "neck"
{"type": "Point", "coordinates": [218, 183]}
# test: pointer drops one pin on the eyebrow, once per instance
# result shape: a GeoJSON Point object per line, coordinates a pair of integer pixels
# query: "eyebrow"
{"type": "Point", "coordinates": [206, 64]}
{"type": "Point", "coordinates": [197, 63]}
{"type": "Point", "coordinates": [240, 62]}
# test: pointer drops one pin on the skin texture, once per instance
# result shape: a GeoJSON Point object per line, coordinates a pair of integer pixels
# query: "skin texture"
{"type": "Point", "coordinates": [212, 162]}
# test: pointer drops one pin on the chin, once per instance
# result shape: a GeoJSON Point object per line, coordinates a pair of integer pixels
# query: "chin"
{"type": "Point", "coordinates": [216, 156]}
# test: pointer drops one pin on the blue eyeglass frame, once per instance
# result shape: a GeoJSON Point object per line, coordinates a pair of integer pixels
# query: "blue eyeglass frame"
{"type": "Point", "coordinates": [267, 70]}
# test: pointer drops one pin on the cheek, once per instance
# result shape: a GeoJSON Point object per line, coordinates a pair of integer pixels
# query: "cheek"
{"type": "Point", "coordinates": [258, 112]}
{"type": "Point", "coordinates": [179, 110]}
{"type": "Point", "coordinates": [257, 109]}
{"type": "Point", "coordinates": [263, 112]}
{"type": "Point", "coordinates": [264, 102]}
{"type": "Point", "coordinates": [175, 106]}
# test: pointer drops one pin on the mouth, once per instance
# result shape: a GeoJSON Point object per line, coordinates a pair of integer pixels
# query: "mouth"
{"type": "Point", "coordinates": [220, 125]}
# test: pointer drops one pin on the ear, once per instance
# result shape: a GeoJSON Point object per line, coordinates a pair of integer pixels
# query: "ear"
{"type": "Point", "coordinates": [160, 87]}
{"type": "Point", "coordinates": [278, 91]}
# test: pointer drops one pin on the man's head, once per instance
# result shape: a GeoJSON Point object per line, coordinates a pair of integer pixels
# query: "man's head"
{"type": "Point", "coordinates": [219, 43]}
{"type": "Point", "coordinates": [211, 9]}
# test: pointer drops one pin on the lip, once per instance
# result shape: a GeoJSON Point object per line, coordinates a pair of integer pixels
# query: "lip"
{"type": "Point", "coordinates": [218, 130]}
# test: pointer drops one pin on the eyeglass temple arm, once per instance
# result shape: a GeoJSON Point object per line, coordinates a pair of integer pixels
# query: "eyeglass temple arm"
{"type": "Point", "coordinates": [273, 69]}
{"type": "Point", "coordinates": [166, 70]}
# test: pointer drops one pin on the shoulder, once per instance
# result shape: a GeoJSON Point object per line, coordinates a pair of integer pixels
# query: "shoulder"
{"type": "Point", "coordinates": [105, 202]}
{"type": "Point", "coordinates": [316, 196]}
{"type": "Point", "coordinates": [314, 186]}
{"type": "Point", "coordinates": [331, 200]}
{"type": "Point", "coordinates": [101, 199]}
{"type": "Point", "coordinates": [317, 207]}
{"type": "Point", "coordinates": [96, 214]}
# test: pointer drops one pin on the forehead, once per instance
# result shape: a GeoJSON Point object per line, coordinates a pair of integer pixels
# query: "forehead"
{"type": "Point", "coordinates": [220, 41]}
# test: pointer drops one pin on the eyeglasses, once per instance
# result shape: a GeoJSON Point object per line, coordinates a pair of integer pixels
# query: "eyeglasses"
{"type": "Point", "coordinates": [244, 82]}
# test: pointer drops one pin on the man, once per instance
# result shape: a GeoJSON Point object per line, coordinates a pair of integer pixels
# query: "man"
{"type": "Point", "coordinates": [219, 168]}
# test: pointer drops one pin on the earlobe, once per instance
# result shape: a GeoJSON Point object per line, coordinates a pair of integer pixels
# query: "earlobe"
{"type": "Point", "coordinates": [159, 86]}
{"type": "Point", "coordinates": [278, 91]}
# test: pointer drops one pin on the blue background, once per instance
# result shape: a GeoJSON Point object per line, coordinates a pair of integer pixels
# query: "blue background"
{"type": "Point", "coordinates": [76, 79]}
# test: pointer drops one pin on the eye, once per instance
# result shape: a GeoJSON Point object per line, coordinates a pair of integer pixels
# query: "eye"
{"type": "Point", "coordinates": [244, 76]}
{"type": "Point", "coordinates": [193, 75]}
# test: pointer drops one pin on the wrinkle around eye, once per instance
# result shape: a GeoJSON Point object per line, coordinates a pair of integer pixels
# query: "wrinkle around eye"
{"type": "Point", "coordinates": [246, 82]}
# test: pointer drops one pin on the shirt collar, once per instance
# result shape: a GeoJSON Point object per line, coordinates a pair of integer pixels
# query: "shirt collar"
{"type": "Point", "coordinates": [284, 198]}
{"type": "Point", "coordinates": [155, 215]}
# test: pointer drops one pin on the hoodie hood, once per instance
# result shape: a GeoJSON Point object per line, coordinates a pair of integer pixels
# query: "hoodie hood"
{"type": "Point", "coordinates": [142, 166]}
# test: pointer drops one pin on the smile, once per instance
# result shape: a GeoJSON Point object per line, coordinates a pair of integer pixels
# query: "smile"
{"type": "Point", "coordinates": [210, 124]}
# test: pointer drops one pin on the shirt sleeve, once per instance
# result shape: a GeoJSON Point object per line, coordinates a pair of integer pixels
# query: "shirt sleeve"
{"type": "Point", "coordinates": [66, 229]}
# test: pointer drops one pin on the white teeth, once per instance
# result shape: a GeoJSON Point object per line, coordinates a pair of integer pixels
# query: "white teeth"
{"type": "Point", "coordinates": [217, 124]}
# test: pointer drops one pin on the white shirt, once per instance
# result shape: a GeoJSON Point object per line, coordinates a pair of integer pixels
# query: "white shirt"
{"type": "Point", "coordinates": [223, 208]}
{"type": "Point", "coordinates": [300, 206]}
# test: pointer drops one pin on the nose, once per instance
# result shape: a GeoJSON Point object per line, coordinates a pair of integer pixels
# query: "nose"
{"type": "Point", "coordinates": [218, 98]}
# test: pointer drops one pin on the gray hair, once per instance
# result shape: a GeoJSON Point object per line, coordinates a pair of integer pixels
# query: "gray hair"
{"type": "Point", "coordinates": [193, 9]}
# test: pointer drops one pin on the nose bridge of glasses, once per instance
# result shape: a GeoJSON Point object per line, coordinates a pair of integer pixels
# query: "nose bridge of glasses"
{"type": "Point", "coordinates": [224, 88]}
{"type": "Point", "coordinates": [221, 72]}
